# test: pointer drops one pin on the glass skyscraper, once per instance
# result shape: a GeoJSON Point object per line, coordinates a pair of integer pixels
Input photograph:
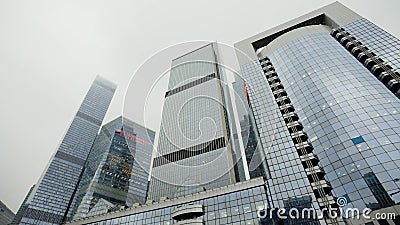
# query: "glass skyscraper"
{"type": "Point", "coordinates": [198, 172]}
{"type": "Point", "coordinates": [324, 89]}
{"type": "Point", "coordinates": [195, 150]}
{"type": "Point", "coordinates": [53, 193]}
{"type": "Point", "coordinates": [116, 174]}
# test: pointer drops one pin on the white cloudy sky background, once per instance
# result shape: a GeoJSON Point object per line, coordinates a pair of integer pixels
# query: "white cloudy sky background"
{"type": "Point", "coordinates": [50, 51]}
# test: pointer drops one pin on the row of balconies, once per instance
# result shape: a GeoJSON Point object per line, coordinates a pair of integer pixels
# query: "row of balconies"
{"type": "Point", "coordinates": [286, 107]}
{"type": "Point", "coordinates": [372, 62]}
{"type": "Point", "coordinates": [310, 161]}
{"type": "Point", "coordinates": [295, 126]}
{"type": "Point", "coordinates": [304, 147]}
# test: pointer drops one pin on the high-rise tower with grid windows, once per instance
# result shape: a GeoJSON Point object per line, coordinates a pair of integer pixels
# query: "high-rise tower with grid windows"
{"type": "Point", "coordinates": [53, 194]}
{"type": "Point", "coordinates": [195, 149]}
{"type": "Point", "coordinates": [324, 89]}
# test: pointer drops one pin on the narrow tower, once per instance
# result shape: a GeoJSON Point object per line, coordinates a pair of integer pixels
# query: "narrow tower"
{"type": "Point", "coordinates": [55, 189]}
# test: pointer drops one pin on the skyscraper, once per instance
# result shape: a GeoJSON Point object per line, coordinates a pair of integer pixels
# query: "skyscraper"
{"type": "Point", "coordinates": [116, 174]}
{"type": "Point", "coordinates": [53, 192]}
{"type": "Point", "coordinates": [195, 135]}
{"type": "Point", "coordinates": [324, 89]}
{"type": "Point", "coordinates": [325, 106]}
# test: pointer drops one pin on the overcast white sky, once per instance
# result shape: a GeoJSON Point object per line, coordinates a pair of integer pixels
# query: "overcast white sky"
{"type": "Point", "coordinates": [50, 51]}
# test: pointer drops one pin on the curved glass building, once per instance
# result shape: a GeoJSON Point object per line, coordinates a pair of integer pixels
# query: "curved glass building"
{"type": "Point", "coordinates": [325, 94]}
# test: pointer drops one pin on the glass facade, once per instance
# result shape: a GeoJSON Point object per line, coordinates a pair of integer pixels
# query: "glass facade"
{"type": "Point", "coordinates": [253, 148]}
{"type": "Point", "coordinates": [286, 177]}
{"type": "Point", "coordinates": [348, 114]}
{"type": "Point", "coordinates": [194, 133]}
{"type": "Point", "coordinates": [254, 153]}
{"type": "Point", "coordinates": [385, 45]}
{"type": "Point", "coordinates": [113, 178]}
{"type": "Point", "coordinates": [55, 189]}
{"type": "Point", "coordinates": [350, 117]}
{"type": "Point", "coordinates": [229, 205]}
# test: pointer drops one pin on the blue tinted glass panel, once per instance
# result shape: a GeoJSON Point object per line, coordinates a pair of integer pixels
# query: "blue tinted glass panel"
{"type": "Point", "coordinates": [358, 140]}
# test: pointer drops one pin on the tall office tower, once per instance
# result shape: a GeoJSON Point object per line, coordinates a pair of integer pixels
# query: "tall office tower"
{"type": "Point", "coordinates": [116, 172]}
{"type": "Point", "coordinates": [6, 215]}
{"type": "Point", "coordinates": [54, 191]}
{"type": "Point", "coordinates": [195, 149]}
{"type": "Point", "coordinates": [324, 89]}
{"type": "Point", "coordinates": [22, 208]}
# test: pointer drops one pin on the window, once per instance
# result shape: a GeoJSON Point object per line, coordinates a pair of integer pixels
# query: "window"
{"type": "Point", "coordinates": [358, 140]}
